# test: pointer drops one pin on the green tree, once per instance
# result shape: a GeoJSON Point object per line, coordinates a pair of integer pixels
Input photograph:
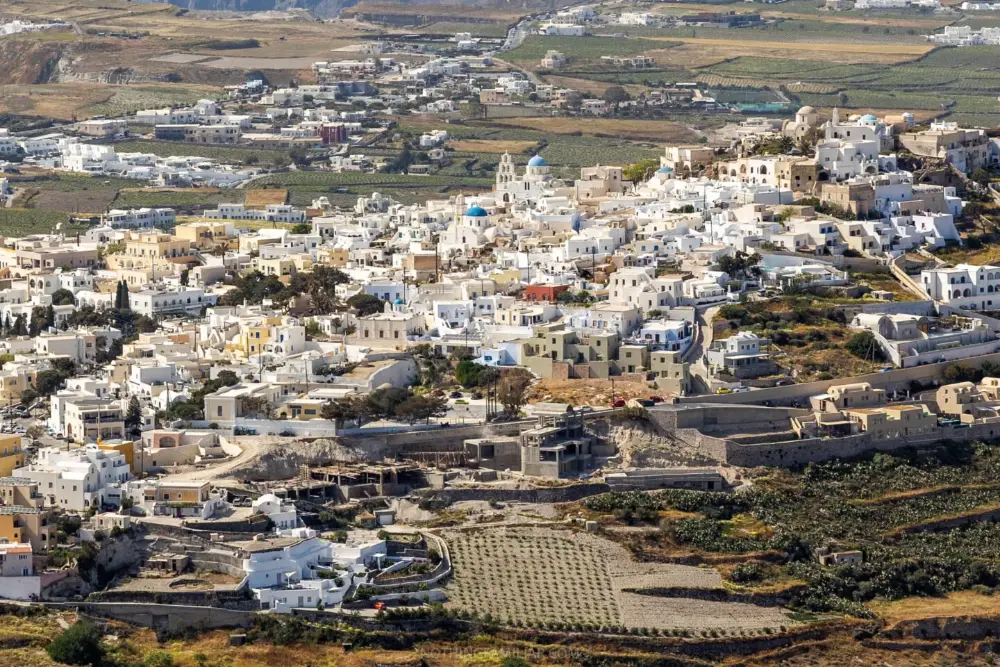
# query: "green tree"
{"type": "Point", "coordinates": [302, 228]}
{"type": "Point", "coordinates": [80, 644]}
{"type": "Point", "coordinates": [468, 373]}
{"type": "Point", "coordinates": [417, 408]}
{"type": "Point", "coordinates": [63, 297]}
{"type": "Point", "coordinates": [980, 176]}
{"type": "Point", "coordinates": [864, 346]}
{"type": "Point", "coordinates": [185, 276]}
{"type": "Point", "coordinates": [615, 95]}
{"type": "Point", "coordinates": [512, 391]}
{"type": "Point", "coordinates": [366, 304]}
{"type": "Point", "coordinates": [640, 171]}
{"type": "Point", "coordinates": [381, 403]}
{"type": "Point", "coordinates": [133, 416]}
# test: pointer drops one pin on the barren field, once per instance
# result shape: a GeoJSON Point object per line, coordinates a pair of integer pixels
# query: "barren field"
{"type": "Point", "coordinates": [584, 392]}
{"type": "Point", "coordinates": [491, 145]}
{"type": "Point", "coordinates": [588, 86]}
{"type": "Point", "coordinates": [963, 603]}
{"type": "Point", "coordinates": [68, 100]}
{"type": "Point", "coordinates": [261, 198]}
{"type": "Point", "coordinates": [702, 52]}
{"type": "Point", "coordinates": [533, 576]}
{"type": "Point", "coordinates": [652, 130]}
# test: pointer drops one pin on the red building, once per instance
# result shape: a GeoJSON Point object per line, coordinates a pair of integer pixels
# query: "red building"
{"type": "Point", "coordinates": [544, 292]}
{"type": "Point", "coordinates": [333, 133]}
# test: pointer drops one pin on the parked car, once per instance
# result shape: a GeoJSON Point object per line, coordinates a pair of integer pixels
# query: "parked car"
{"type": "Point", "coordinates": [455, 394]}
{"type": "Point", "coordinates": [477, 395]}
{"type": "Point", "coordinates": [656, 399]}
{"type": "Point", "coordinates": [620, 403]}
{"type": "Point", "coordinates": [741, 390]}
{"type": "Point", "coordinates": [723, 390]}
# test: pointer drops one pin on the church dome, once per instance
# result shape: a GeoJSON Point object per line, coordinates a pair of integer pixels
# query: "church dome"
{"type": "Point", "coordinates": [398, 302]}
{"type": "Point", "coordinates": [477, 212]}
{"type": "Point", "coordinates": [537, 161]}
{"type": "Point", "coordinates": [806, 110]}
{"type": "Point", "coordinates": [868, 118]}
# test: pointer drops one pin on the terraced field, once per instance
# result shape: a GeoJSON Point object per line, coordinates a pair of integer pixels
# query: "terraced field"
{"type": "Point", "coordinates": [541, 577]}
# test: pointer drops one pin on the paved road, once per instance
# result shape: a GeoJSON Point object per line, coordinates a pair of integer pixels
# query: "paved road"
{"type": "Point", "coordinates": [702, 342]}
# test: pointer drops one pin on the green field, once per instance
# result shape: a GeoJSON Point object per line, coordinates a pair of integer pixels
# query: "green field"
{"type": "Point", "coordinates": [129, 99]}
{"type": "Point", "coordinates": [182, 200]}
{"type": "Point", "coordinates": [23, 222]}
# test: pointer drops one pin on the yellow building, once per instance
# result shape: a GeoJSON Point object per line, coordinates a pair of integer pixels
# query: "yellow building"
{"type": "Point", "coordinates": [125, 448]}
{"type": "Point", "coordinates": [11, 454]}
{"type": "Point", "coordinates": [14, 381]}
{"type": "Point", "coordinates": [158, 246]}
{"type": "Point", "coordinates": [336, 257]}
{"type": "Point", "coordinates": [207, 235]}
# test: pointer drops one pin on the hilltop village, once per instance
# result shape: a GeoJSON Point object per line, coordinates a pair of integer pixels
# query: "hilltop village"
{"type": "Point", "coordinates": [471, 381]}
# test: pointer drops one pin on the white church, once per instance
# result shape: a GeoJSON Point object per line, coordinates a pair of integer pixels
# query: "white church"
{"type": "Point", "coordinates": [536, 183]}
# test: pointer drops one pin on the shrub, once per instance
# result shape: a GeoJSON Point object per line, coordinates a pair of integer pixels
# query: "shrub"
{"type": "Point", "coordinates": [158, 659]}
{"type": "Point", "coordinates": [80, 644]}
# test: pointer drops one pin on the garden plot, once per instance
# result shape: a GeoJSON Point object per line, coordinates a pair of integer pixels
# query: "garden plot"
{"type": "Point", "coordinates": [535, 576]}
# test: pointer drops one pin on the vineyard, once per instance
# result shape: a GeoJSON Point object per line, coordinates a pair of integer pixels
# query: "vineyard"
{"type": "Point", "coordinates": [864, 505]}
{"type": "Point", "coordinates": [561, 579]}
{"type": "Point", "coordinates": [352, 179]}
{"type": "Point", "coordinates": [184, 199]}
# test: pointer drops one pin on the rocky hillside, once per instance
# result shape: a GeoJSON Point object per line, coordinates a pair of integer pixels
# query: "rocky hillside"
{"type": "Point", "coordinates": [323, 8]}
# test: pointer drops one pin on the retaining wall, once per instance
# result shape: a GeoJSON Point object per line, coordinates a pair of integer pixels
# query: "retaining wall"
{"type": "Point", "coordinates": [563, 494]}
{"type": "Point", "coordinates": [163, 616]}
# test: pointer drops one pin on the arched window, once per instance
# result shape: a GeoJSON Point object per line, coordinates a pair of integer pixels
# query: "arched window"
{"type": "Point", "coordinates": [966, 292]}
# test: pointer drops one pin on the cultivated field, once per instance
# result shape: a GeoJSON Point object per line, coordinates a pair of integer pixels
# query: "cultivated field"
{"type": "Point", "coordinates": [651, 130]}
{"type": "Point", "coordinates": [535, 576]}
{"type": "Point", "coordinates": [491, 145]}
{"type": "Point", "coordinates": [262, 198]}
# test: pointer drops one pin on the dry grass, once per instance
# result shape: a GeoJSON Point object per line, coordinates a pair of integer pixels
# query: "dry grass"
{"type": "Point", "coordinates": [262, 198]}
{"type": "Point", "coordinates": [491, 145]}
{"type": "Point", "coordinates": [442, 10]}
{"type": "Point", "coordinates": [595, 392]}
{"type": "Point", "coordinates": [703, 52]}
{"type": "Point", "coordinates": [962, 603]}
{"type": "Point", "coordinates": [649, 130]}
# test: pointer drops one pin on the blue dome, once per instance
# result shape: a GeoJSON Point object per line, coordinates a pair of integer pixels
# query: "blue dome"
{"type": "Point", "coordinates": [869, 117]}
{"type": "Point", "coordinates": [477, 212]}
{"type": "Point", "coordinates": [397, 302]}
{"type": "Point", "coordinates": [537, 161]}
{"type": "Point", "coordinates": [664, 170]}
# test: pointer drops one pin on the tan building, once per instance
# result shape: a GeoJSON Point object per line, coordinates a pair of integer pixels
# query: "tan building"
{"type": "Point", "coordinates": [846, 396]}
{"type": "Point", "coordinates": [897, 421]}
{"type": "Point", "coordinates": [38, 257]}
{"type": "Point", "coordinates": [387, 330]}
{"type": "Point", "coordinates": [858, 198]}
{"type": "Point", "coordinates": [155, 246]}
{"type": "Point", "coordinates": [599, 181]}
{"type": "Point", "coordinates": [670, 374]}
{"type": "Point", "coordinates": [555, 351]}
{"type": "Point", "coordinates": [968, 150]}
{"type": "Point", "coordinates": [230, 403]}
{"type": "Point", "coordinates": [207, 235]}
{"type": "Point", "coordinates": [14, 381]}
{"type": "Point", "coordinates": [961, 398]}
{"type": "Point", "coordinates": [687, 158]}
{"type": "Point", "coordinates": [23, 515]}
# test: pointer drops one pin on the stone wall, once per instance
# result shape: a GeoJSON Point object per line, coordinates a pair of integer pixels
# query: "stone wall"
{"type": "Point", "coordinates": [787, 453]}
{"type": "Point", "coordinates": [563, 494]}
{"type": "Point", "coordinates": [897, 380]}
{"type": "Point", "coordinates": [166, 617]}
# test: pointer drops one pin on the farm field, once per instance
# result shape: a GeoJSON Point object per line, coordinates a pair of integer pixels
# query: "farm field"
{"type": "Point", "coordinates": [181, 199]}
{"type": "Point", "coordinates": [68, 100]}
{"type": "Point", "coordinates": [261, 198]}
{"type": "Point", "coordinates": [875, 497]}
{"type": "Point", "coordinates": [650, 130]}
{"type": "Point", "coordinates": [579, 49]}
{"type": "Point", "coordinates": [562, 578]}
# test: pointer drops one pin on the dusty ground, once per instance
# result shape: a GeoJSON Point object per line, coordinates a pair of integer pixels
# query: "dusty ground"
{"type": "Point", "coordinates": [653, 130]}
{"type": "Point", "coordinates": [491, 145]}
{"type": "Point", "coordinates": [261, 198]}
{"type": "Point", "coordinates": [587, 392]}
{"type": "Point", "coordinates": [697, 52]}
{"type": "Point", "coordinates": [962, 603]}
